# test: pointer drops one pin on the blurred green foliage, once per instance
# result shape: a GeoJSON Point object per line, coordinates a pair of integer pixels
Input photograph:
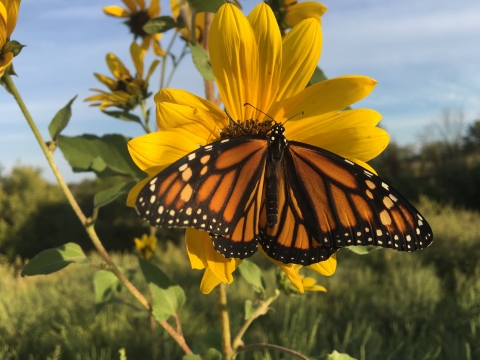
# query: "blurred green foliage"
{"type": "Point", "coordinates": [34, 216]}
{"type": "Point", "coordinates": [385, 305]}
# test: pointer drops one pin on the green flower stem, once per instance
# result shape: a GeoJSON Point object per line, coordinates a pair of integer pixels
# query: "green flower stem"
{"type": "Point", "coordinates": [209, 86]}
{"type": "Point", "coordinates": [87, 223]}
{"type": "Point", "coordinates": [274, 347]}
{"type": "Point", "coordinates": [224, 321]}
{"type": "Point", "coordinates": [146, 127]}
{"type": "Point", "coordinates": [164, 62]}
{"type": "Point", "coordinates": [262, 310]}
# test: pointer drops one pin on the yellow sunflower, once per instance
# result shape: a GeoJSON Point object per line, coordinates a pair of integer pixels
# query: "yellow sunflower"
{"type": "Point", "coordinates": [146, 246]}
{"type": "Point", "coordinates": [8, 20]}
{"type": "Point", "coordinates": [138, 15]}
{"type": "Point", "coordinates": [126, 91]}
{"type": "Point", "coordinates": [252, 63]}
{"type": "Point", "coordinates": [176, 6]}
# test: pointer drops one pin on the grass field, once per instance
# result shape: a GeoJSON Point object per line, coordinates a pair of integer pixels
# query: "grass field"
{"type": "Point", "coordinates": [385, 305]}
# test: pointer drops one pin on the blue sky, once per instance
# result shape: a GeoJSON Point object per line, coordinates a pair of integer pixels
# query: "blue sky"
{"type": "Point", "coordinates": [424, 54]}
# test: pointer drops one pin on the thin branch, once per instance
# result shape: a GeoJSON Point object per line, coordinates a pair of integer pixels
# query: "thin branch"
{"type": "Point", "coordinates": [271, 346]}
{"type": "Point", "coordinates": [164, 62]}
{"type": "Point", "coordinates": [262, 310]}
{"type": "Point", "coordinates": [224, 321]}
{"type": "Point", "coordinates": [88, 225]}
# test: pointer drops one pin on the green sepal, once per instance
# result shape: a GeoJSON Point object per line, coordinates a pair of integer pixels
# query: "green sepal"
{"type": "Point", "coordinates": [106, 155]}
{"type": "Point", "coordinates": [205, 5]}
{"type": "Point", "coordinates": [160, 24]}
{"type": "Point", "coordinates": [122, 115]}
{"type": "Point", "coordinates": [201, 60]}
{"type": "Point", "coordinates": [105, 197]}
{"type": "Point", "coordinates": [167, 296]}
{"type": "Point", "coordinates": [9, 71]}
{"type": "Point", "coordinates": [253, 275]}
{"type": "Point", "coordinates": [61, 119]}
{"type": "Point", "coordinates": [51, 260]}
{"type": "Point", "coordinates": [13, 46]}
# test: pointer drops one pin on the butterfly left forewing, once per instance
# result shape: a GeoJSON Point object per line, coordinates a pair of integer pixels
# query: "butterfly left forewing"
{"type": "Point", "coordinates": [205, 188]}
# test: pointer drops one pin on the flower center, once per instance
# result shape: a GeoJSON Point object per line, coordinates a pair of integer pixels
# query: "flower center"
{"type": "Point", "coordinates": [247, 127]}
{"type": "Point", "coordinates": [136, 23]}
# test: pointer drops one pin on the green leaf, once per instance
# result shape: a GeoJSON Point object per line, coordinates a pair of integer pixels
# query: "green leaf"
{"type": "Point", "coordinates": [335, 355]}
{"type": "Point", "coordinates": [106, 286]}
{"type": "Point", "coordinates": [363, 250]}
{"type": "Point", "coordinates": [60, 120]}
{"type": "Point", "coordinates": [105, 197]}
{"type": "Point", "coordinates": [106, 155]}
{"type": "Point", "coordinates": [191, 357]}
{"type": "Point", "coordinates": [205, 5]}
{"type": "Point", "coordinates": [317, 76]}
{"type": "Point", "coordinates": [167, 296]}
{"type": "Point", "coordinates": [159, 25]}
{"type": "Point", "coordinates": [51, 260]}
{"type": "Point", "coordinates": [212, 354]}
{"type": "Point", "coordinates": [123, 115]}
{"type": "Point", "coordinates": [252, 274]}
{"type": "Point", "coordinates": [201, 60]}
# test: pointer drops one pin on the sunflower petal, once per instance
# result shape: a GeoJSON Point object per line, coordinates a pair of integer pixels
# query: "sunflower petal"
{"type": "Point", "coordinates": [327, 98]}
{"type": "Point", "coordinates": [209, 281]}
{"type": "Point", "coordinates": [234, 58]}
{"type": "Point", "coordinates": [131, 5]}
{"type": "Point", "coordinates": [105, 80]}
{"type": "Point", "coordinates": [304, 10]}
{"type": "Point", "coordinates": [269, 42]}
{"type": "Point", "coordinates": [299, 130]}
{"type": "Point", "coordinates": [157, 49]}
{"type": "Point", "coordinates": [196, 242]}
{"type": "Point", "coordinates": [362, 143]}
{"type": "Point", "coordinates": [195, 102]}
{"type": "Point", "coordinates": [116, 11]}
{"type": "Point", "coordinates": [198, 123]}
{"type": "Point", "coordinates": [325, 268]}
{"type": "Point", "coordinates": [12, 15]}
{"type": "Point", "coordinates": [291, 270]}
{"type": "Point", "coordinates": [137, 54]}
{"type": "Point", "coordinates": [116, 67]}
{"type": "Point", "coordinates": [154, 9]}
{"type": "Point", "coordinates": [301, 52]}
{"type": "Point", "coordinates": [364, 165]}
{"type": "Point", "coordinates": [5, 62]}
{"type": "Point", "coordinates": [160, 148]}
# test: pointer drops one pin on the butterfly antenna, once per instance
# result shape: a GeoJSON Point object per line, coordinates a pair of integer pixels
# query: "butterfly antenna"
{"type": "Point", "coordinates": [259, 111]}
{"type": "Point", "coordinates": [299, 113]}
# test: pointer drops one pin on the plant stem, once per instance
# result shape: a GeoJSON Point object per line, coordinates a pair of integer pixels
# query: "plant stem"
{"type": "Point", "coordinates": [146, 127]}
{"type": "Point", "coordinates": [87, 223]}
{"type": "Point", "coordinates": [164, 62]}
{"type": "Point", "coordinates": [224, 321]}
{"type": "Point", "coordinates": [209, 86]}
{"type": "Point", "coordinates": [271, 346]}
{"type": "Point", "coordinates": [262, 310]}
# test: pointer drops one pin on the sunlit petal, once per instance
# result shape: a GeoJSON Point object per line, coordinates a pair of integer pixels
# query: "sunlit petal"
{"type": "Point", "coordinates": [116, 67]}
{"type": "Point", "coordinates": [234, 58]}
{"type": "Point", "coordinates": [131, 5]}
{"type": "Point", "coordinates": [160, 148]}
{"type": "Point", "coordinates": [304, 10]}
{"type": "Point", "coordinates": [154, 9]}
{"type": "Point", "coordinates": [116, 11]}
{"type": "Point", "coordinates": [269, 42]}
{"type": "Point", "coordinates": [196, 242]}
{"type": "Point", "coordinates": [209, 281]}
{"type": "Point", "coordinates": [137, 54]}
{"type": "Point", "coordinates": [325, 268]}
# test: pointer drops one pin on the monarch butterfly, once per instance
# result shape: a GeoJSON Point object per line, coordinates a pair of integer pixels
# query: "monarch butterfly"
{"type": "Point", "coordinates": [300, 202]}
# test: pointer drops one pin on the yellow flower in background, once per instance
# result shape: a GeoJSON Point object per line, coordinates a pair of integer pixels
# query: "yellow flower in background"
{"type": "Point", "coordinates": [138, 15]}
{"type": "Point", "coordinates": [305, 283]}
{"type": "Point", "coordinates": [146, 246]}
{"type": "Point", "coordinates": [126, 91]}
{"type": "Point", "coordinates": [176, 7]}
{"type": "Point", "coordinates": [252, 63]}
{"type": "Point", "coordinates": [8, 20]}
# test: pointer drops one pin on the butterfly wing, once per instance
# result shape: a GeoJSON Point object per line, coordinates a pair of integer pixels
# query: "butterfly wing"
{"type": "Point", "coordinates": [331, 202]}
{"type": "Point", "coordinates": [215, 188]}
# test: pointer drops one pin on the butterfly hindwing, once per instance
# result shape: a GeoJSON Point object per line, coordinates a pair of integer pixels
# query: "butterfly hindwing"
{"type": "Point", "coordinates": [209, 189]}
